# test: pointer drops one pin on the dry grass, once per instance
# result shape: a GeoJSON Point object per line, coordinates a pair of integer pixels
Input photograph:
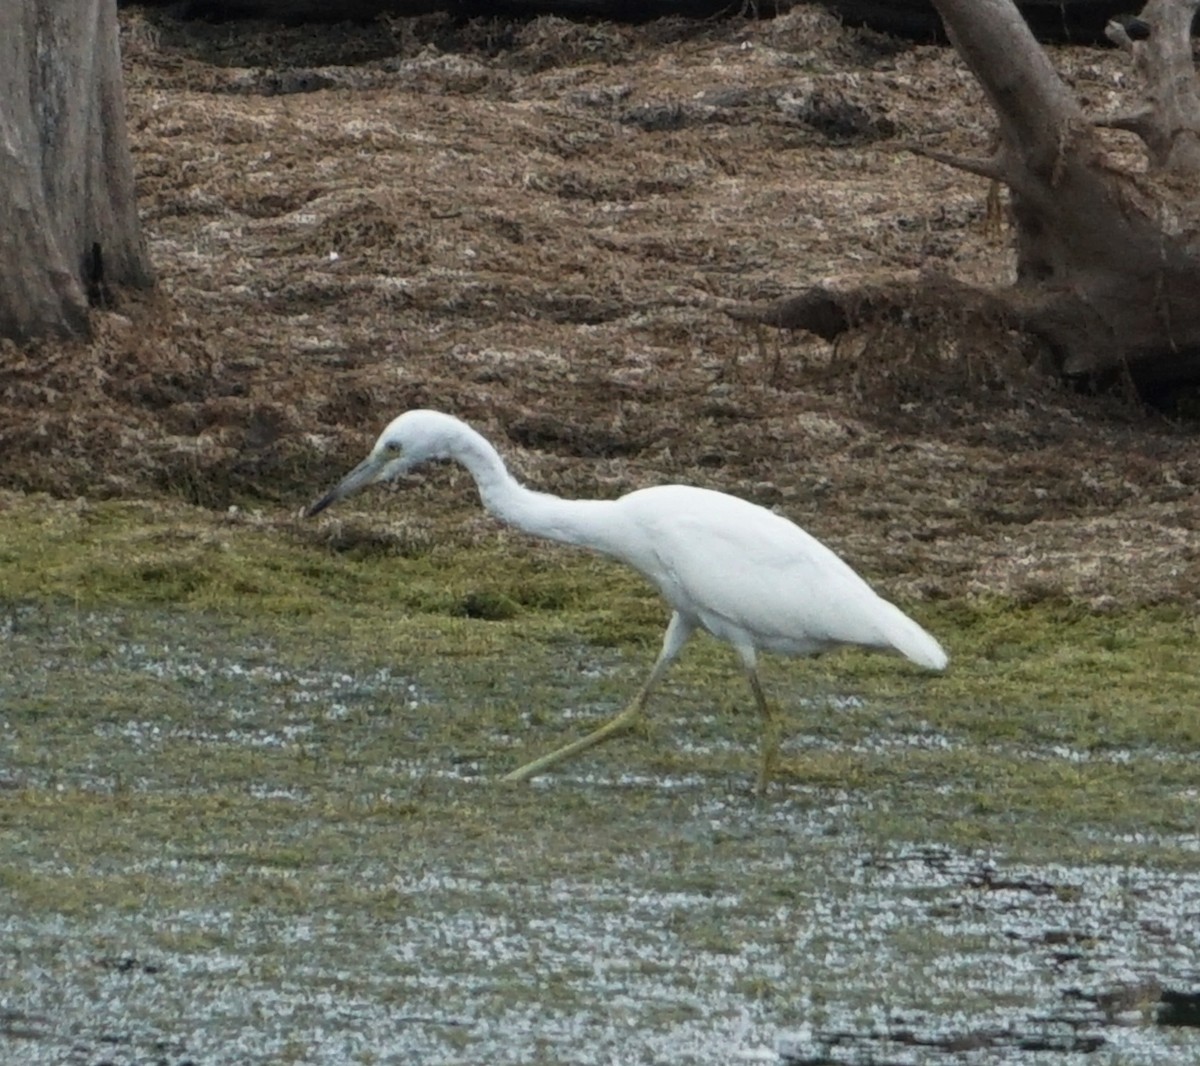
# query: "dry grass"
{"type": "Point", "coordinates": [536, 226]}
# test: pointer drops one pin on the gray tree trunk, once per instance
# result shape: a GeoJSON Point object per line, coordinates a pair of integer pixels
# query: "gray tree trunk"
{"type": "Point", "coordinates": [68, 215]}
{"type": "Point", "coordinates": [1108, 263]}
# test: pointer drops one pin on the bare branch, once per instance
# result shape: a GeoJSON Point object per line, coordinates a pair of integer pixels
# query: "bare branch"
{"type": "Point", "coordinates": [1161, 49]}
{"type": "Point", "coordinates": [986, 168]}
{"type": "Point", "coordinates": [837, 305]}
{"type": "Point", "coordinates": [1132, 120]}
{"type": "Point", "coordinates": [816, 310]}
{"type": "Point", "coordinates": [1137, 122]}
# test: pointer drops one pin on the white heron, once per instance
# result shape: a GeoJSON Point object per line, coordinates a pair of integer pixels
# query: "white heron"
{"type": "Point", "coordinates": [748, 576]}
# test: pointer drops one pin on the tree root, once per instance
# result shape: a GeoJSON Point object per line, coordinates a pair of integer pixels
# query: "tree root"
{"type": "Point", "coordinates": [832, 308]}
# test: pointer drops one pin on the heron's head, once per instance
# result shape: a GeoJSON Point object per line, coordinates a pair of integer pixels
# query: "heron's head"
{"type": "Point", "coordinates": [409, 440]}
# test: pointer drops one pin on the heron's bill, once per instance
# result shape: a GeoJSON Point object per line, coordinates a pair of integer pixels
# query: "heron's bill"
{"type": "Point", "coordinates": [321, 504]}
{"type": "Point", "coordinates": [361, 476]}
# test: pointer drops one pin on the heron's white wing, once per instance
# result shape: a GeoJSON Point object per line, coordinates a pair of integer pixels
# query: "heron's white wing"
{"type": "Point", "coordinates": [747, 573]}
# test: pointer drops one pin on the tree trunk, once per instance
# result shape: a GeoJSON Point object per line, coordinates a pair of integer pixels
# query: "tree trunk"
{"type": "Point", "coordinates": [68, 217]}
{"type": "Point", "coordinates": [1108, 263]}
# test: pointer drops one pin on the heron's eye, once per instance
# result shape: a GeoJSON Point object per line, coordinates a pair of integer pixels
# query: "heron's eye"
{"type": "Point", "coordinates": [392, 447]}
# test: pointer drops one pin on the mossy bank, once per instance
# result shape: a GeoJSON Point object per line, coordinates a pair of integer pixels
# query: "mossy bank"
{"type": "Point", "coordinates": [1057, 730]}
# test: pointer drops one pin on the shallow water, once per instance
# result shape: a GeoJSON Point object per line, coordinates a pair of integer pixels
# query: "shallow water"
{"type": "Point", "coordinates": [214, 858]}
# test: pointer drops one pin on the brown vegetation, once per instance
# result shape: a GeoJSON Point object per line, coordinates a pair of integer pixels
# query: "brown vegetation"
{"type": "Point", "coordinates": [537, 227]}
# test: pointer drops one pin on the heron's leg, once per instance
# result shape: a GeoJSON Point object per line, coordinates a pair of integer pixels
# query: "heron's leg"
{"type": "Point", "coordinates": [674, 639]}
{"type": "Point", "coordinates": [770, 720]}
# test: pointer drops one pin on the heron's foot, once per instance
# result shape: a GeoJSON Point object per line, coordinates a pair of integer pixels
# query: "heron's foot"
{"type": "Point", "coordinates": [623, 722]}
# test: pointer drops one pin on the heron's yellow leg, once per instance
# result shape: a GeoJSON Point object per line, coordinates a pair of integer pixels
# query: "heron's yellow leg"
{"type": "Point", "coordinates": [676, 636]}
{"type": "Point", "coordinates": [612, 728]}
{"type": "Point", "coordinates": [770, 736]}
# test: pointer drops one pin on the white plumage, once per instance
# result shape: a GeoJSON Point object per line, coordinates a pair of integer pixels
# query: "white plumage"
{"type": "Point", "coordinates": [749, 576]}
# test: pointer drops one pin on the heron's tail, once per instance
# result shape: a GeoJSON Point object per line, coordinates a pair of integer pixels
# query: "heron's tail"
{"type": "Point", "coordinates": [911, 641]}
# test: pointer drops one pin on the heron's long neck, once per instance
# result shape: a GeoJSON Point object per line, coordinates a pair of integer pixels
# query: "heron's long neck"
{"type": "Point", "coordinates": [582, 522]}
